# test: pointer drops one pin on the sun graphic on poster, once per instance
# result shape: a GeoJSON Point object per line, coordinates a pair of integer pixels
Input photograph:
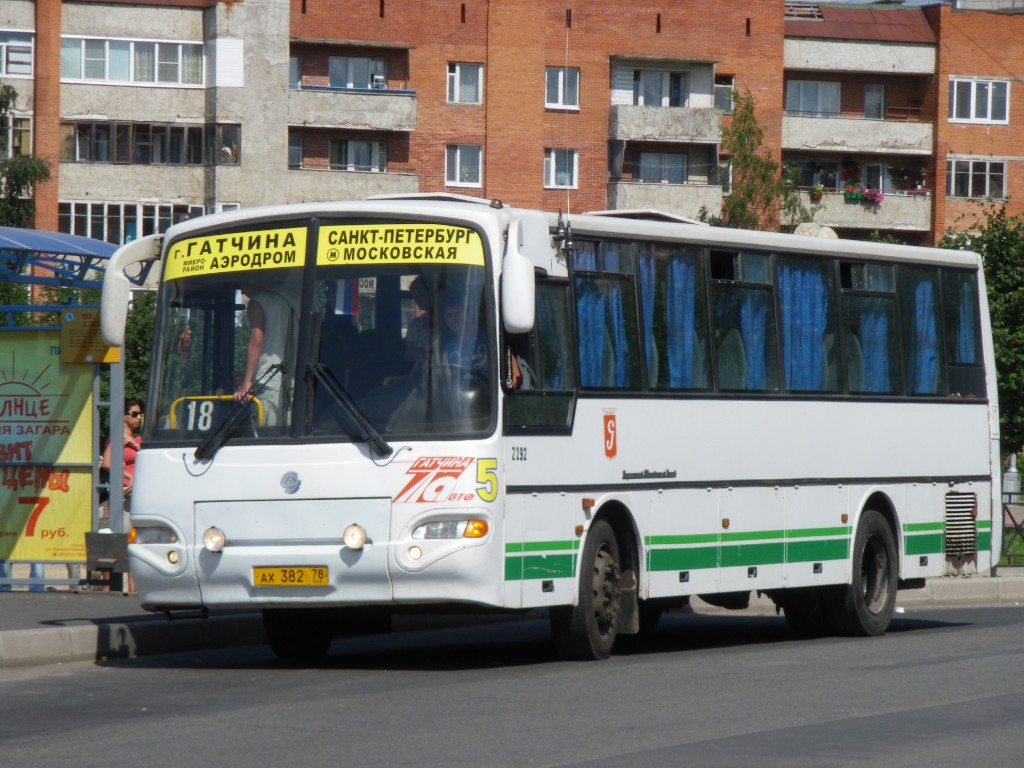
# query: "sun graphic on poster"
{"type": "Point", "coordinates": [23, 393]}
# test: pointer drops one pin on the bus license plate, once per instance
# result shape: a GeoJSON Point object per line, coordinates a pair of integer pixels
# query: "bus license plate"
{"type": "Point", "coordinates": [290, 576]}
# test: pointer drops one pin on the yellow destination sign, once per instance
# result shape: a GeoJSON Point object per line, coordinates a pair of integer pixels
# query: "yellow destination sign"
{"type": "Point", "coordinates": [236, 252]}
{"type": "Point", "coordinates": [356, 244]}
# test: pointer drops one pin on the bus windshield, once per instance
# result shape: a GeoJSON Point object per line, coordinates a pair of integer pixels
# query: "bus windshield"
{"type": "Point", "coordinates": [368, 346]}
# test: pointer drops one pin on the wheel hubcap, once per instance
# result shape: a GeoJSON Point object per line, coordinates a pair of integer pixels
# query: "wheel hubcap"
{"type": "Point", "coordinates": [605, 590]}
{"type": "Point", "coordinates": [874, 576]}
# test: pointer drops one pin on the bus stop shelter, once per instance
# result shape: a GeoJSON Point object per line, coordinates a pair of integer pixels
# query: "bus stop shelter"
{"type": "Point", "coordinates": [50, 362]}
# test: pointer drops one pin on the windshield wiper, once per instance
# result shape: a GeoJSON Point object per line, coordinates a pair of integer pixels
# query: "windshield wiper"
{"type": "Point", "coordinates": [236, 415]}
{"type": "Point", "coordinates": [366, 431]}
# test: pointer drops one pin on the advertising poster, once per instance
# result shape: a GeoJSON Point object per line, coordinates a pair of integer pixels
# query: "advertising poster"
{"type": "Point", "coordinates": [46, 450]}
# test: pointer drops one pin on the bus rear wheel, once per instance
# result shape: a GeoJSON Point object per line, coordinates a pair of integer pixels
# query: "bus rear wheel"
{"type": "Point", "coordinates": [587, 630]}
{"type": "Point", "coordinates": [865, 606]}
{"type": "Point", "coordinates": [299, 634]}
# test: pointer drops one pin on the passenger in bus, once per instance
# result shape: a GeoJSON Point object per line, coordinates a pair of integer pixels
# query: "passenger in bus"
{"type": "Point", "coordinates": [417, 333]}
{"type": "Point", "coordinates": [271, 326]}
{"type": "Point", "coordinates": [459, 344]}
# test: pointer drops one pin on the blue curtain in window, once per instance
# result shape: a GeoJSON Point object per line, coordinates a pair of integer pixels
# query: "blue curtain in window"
{"type": "Point", "coordinates": [681, 319]}
{"type": "Point", "coordinates": [874, 326]}
{"type": "Point", "coordinates": [803, 302]}
{"type": "Point", "coordinates": [966, 353]}
{"type": "Point", "coordinates": [620, 350]}
{"type": "Point", "coordinates": [753, 316]}
{"type": "Point", "coordinates": [923, 362]}
{"type": "Point", "coordinates": [647, 289]}
{"type": "Point", "coordinates": [590, 315]}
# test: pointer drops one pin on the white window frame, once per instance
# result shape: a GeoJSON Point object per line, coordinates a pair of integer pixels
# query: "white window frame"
{"type": "Point", "coordinates": [376, 72]}
{"type": "Point", "coordinates": [348, 149]}
{"type": "Point", "coordinates": [90, 218]}
{"type": "Point", "coordinates": [562, 88]}
{"type": "Point", "coordinates": [17, 44]}
{"type": "Point", "coordinates": [18, 124]}
{"type": "Point", "coordinates": [974, 167]}
{"type": "Point", "coordinates": [551, 157]}
{"type": "Point", "coordinates": [827, 98]}
{"type": "Point", "coordinates": [975, 88]}
{"type": "Point", "coordinates": [456, 73]}
{"type": "Point", "coordinates": [663, 80]}
{"type": "Point", "coordinates": [455, 156]}
{"type": "Point", "coordinates": [170, 61]}
{"type": "Point", "coordinates": [725, 87]}
{"type": "Point", "coordinates": [660, 159]}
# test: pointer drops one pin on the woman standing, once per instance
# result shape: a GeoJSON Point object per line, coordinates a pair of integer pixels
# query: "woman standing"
{"type": "Point", "coordinates": [131, 444]}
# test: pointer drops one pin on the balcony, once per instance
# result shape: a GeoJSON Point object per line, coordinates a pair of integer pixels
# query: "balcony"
{"type": "Point", "coordinates": [859, 56]}
{"type": "Point", "coordinates": [315, 185]}
{"type": "Point", "coordinates": [361, 110]}
{"type": "Point", "coordinates": [908, 213]}
{"type": "Point", "coordinates": [851, 135]}
{"type": "Point", "coordinates": [669, 124]}
{"type": "Point", "coordinates": [681, 199]}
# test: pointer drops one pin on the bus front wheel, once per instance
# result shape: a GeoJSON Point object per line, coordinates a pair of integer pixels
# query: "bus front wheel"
{"type": "Point", "coordinates": [587, 630]}
{"type": "Point", "coordinates": [865, 606]}
{"type": "Point", "coordinates": [298, 634]}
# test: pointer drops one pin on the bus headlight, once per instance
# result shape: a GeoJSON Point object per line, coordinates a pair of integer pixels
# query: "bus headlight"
{"type": "Point", "coordinates": [152, 534]}
{"type": "Point", "coordinates": [452, 529]}
{"type": "Point", "coordinates": [214, 539]}
{"type": "Point", "coordinates": [354, 537]}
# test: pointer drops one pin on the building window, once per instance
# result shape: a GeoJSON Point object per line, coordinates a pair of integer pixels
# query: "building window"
{"type": "Point", "coordinates": [294, 71]}
{"type": "Point", "coordinates": [294, 150]}
{"type": "Point", "coordinates": [131, 61]}
{"type": "Point", "coordinates": [465, 83]}
{"type": "Point", "coordinates": [979, 101]}
{"type": "Point", "coordinates": [150, 144]}
{"type": "Point", "coordinates": [562, 89]}
{"type": "Point", "coordinates": [725, 85]}
{"type": "Point", "coordinates": [976, 178]}
{"type": "Point", "coordinates": [724, 174]}
{"type": "Point", "coordinates": [561, 168]}
{"type": "Point", "coordinates": [19, 137]}
{"type": "Point", "coordinates": [357, 72]}
{"type": "Point", "coordinates": [15, 54]}
{"type": "Point", "coordinates": [659, 89]}
{"type": "Point", "coordinates": [874, 101]}
{"type": "Point", "coordinates": [121, 222]}
{"type": "Point", "coordinates": [812, 98]}
{"type": "Point", "coordinates": [463, 165]}
{"type": "Point", "coordinates": [662, 168]}
{"type": "Point", "coordinates": [367, 156]}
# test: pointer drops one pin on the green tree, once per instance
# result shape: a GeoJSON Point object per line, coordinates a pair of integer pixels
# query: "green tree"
{"type": "Point", "coordinates": [1000, 243]}
{"type": "Point", "coordinates": [138, 344]}
{"type": "Point", "coordinates": [18, 175]}
{"type": "Point", "coordinates": [756, 188]}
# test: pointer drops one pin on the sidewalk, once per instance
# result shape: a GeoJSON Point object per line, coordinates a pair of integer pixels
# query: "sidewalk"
{"type": "Point", "coordinates": [38, 628]}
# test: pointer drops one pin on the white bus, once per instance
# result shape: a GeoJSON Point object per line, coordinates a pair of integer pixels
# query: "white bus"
{"type": "Point", "coordinates": [460, 403]}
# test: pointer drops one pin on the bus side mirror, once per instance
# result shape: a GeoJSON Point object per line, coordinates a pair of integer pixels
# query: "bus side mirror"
{"type": "Point", "coordinates": [117, 287]}
{"type": "Point", "coordinates": [517, 278]}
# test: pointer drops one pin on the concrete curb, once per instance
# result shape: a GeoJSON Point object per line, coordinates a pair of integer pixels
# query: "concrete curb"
{"type": "Point", "coordinates": [101, 642]}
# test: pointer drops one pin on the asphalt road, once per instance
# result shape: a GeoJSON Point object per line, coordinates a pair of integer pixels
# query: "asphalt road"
{"type": "Point", "coordinates": [942, 688]}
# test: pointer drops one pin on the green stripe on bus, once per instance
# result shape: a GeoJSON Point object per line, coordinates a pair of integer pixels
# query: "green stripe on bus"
{"type": "Point", "coordinates": [540, 567]}
{"type": "Point", "coordinates": [930, 544]}
{"type": "Point", "coordinates": [691, 559]}
{"type": "Point", "coordinates": [541, 546]}
{"type": "Point", "coordinates": [698, 538]}
{"type": "Point", "coordinates": [753, 554]}
{"type": "Point", "coordinates": [984, 541]}
{"type": "Point", "coordinates": [984, 525]}
{"type": "Point", "coordinates": [817, 551]}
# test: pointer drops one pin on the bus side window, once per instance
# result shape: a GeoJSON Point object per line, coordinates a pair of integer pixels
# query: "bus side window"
{"type": "Point", "coordinates": [965, 373]}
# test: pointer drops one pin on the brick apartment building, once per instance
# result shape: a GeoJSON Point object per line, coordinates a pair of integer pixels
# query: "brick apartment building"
{"type": "Point", "coordinates": [150, 111]}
